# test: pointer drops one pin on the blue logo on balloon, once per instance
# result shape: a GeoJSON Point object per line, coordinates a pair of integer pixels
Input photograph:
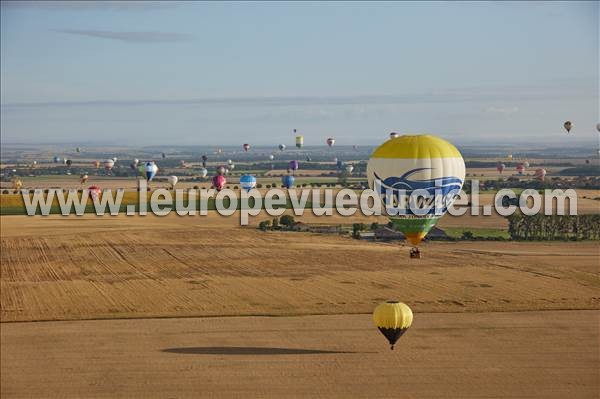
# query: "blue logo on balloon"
{"type": "Point", "coordinates": [441, 191]}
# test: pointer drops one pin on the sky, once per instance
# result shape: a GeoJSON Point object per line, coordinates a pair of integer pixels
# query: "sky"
{"type": "Point", "coordinates": [183, 73]}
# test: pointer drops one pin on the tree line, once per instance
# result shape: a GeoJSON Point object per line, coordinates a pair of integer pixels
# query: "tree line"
{"type": "Point", "coordinates": [554, 227]}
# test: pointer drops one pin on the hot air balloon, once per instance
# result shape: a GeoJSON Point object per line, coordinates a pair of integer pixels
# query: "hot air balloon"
{"type": "Point", "coordinates": [392, 318]}
{"type": "Point", "coordinates": [221, 170]}
{"type": "Point", "coordinates": [281, 147]}
{"type": "Point", "coordinates": [394, 135]}
{"type": "Point", "coordinates": [33, 163]}
{"type": "Point", "coordinates": [17, 184]}
{"type": "Point", "coordinates": [408, 163]}
{"type": "Point", "coordinates": [540, 174]}
{"type": "Point", "coordinates": [287, 181]}
{"type": "Point", "coordinates": [78, 149]}
{"type": "Point", "coordinates": [83, 178]}
{"type": "Point", "coordinates": [108, 165]}
{"type": "Point", "coordinates": [136, 161]}
{"type": "Point", "coordinates": [335, 161]}
{"type": "Point", "coordinates": [568, 125]}
{"type": "Point", "coordinates": [173, 180]}
{"type": "Point", "coordinates": [500, 167]}
{"type": "Point", "coordinates": [526, 164]}
{"type": "Point", "coordinates": [271, 157]}
{"type": "Point", "coordinates": [247, 182]}
{"type": "Point", "coordinates": [246, 147]}
{"type": "Point", "coordinates": [94, 192]}
{"type": "Point", "coordinates": [203, 172]}
{"type": "Point", "coordinates": [151, 170]}
{"type": "Point", "coordinates": [509, 156]}
{"type": "Point", "coordinates": [115, 159]}
{"type": "Point", "coordinates": [293, 166]}
{"type": "Point", "coordinates": [69, 162]}
{"type": "Point", "coordinates": [57, 159]}
{"type": "Point", "coordinates": [163, 155]}
{"type": "Point", "coordinates": [308, 159]}
{"type": "Point", "coordinates": [330, 141]}
{"type": "Point", "coordinates": [520, 168]}
{"type": "Point", "coordinates": [182, 163]}
{"type": "Point", "coordinates": [299, 141]}
{"type": "Point", "coordinates": [231, 167]}
{"type": "Point", "coordinates": [587, 161]}
{"type": "Point", "coordinates": [219, 181]}
{"type": "Point", "coordinates": [349, 169]}
{"type": "Point", "coordinates": [229, 162]}
{"type": "Point", "coordinates": [355, 147]}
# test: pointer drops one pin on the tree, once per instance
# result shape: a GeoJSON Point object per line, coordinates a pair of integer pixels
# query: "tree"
{"type": "Point", "coordinates": [264, 225]}
{"type": "Point", "coordinates": [275, 223]}
{"type": "Point", "coordinates": [287, 220]}
{"type": "Point", "coordinates": [467, 235]}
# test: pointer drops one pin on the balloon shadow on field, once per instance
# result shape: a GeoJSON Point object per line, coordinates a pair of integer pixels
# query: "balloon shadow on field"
{"type": "Point", "coordinates": [244, 350]}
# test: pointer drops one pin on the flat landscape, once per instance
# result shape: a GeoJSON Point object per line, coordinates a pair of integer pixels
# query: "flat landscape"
{"type": "Point", "coordinates": [125, 302]}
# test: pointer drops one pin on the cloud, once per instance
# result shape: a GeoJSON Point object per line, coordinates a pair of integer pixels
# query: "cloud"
{"type": "Point", "coordinates": [137, 37]}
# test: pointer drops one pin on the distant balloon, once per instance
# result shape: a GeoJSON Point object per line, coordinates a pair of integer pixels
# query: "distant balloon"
{"type": "Point", "coordinates": [540, 174]}
{"type": "Point", "coordinates": [57, 159]}
{"type": "Point", "coordinates": [163, 155]}
{"type": "Point", "coordinates": [221, 170]}
{"type": "Point", "coordinates": [17, 184]}
{"type": "Point", "coordinates": [568, 126]}
{"type": "Point", "coordinates": [520, 168]}
{"type": "Point", "coordinates": [587, 161]}
{"type": "Point", "coordinates": [204, 158]}
{"type": "Point", "coordinates": [232, 166]}
{"type": "Point", "coordinates": [392, 318]}
{"type": "Point", "coordinates": [355, 147]}
{"type": "Point", "coordinates": [299, 141]}
{"type": "Point", "coordinates": [335, 161]}
{"type": "Point", "coordinates": [526, 164]}
{"type": "Point", "coordinates": [97, 164]}
{"type": "Point", "coordinates": [287, 181]}
{"type": "Point", "coordinates": [182, 163]}
{"type": "Point", "coordinates": [246, 147]}
{"type": "Point", "coordinates": [282, 147]}
{"type": "Point", "coordinates": [69, 162]}
{"type": "Point", "coordinates": [173, 180]}
{"type": "Point", "coordinates": [115, 159]}
{"type": "Point", "coordinates": [509, 156]}
{"type": "Point", "coordinates": [78, 149]}
{"type": "Point", "coordinates": [293, 165]}
{"type": "Point", "coordinates": [94, 192]}
{"type": "Point", "coordinates": [136, 161]}
{"type": "Point", "coordinates": [271, 157]}
{"type": "Point", "coordinates": [349, 169]}
{"type": "Point", "coordinates": [108, 164]}
{"type": "Point", "coordinates": [330, 141]}
{"type": "Point", "coordinates": [339, 164]}
{"type": "Point", "coordinates": [394, 135]}
{"type": "Point", "coordinates": [500, 167]}
{"type": "Point", "coordinates": [151, 170]}
{"type": "Point", "coordinates": [247, 182]}
{"type": "Point", "coordinates": [308, 159]}
{"type": "Point", "coordinates": [83, 178]}
{"type": "Point", "coordinates": [219, 181]}
{"type": "Point", "coordinates": [229, 162]}
{"type": "Point", "coordinates": [34, 163]}
{"type": "Point", "coordinates": [203, 172]}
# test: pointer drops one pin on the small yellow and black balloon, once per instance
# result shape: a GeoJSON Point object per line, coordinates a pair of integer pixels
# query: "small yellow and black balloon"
{"type": "Point", "coordinates": [392, 318]}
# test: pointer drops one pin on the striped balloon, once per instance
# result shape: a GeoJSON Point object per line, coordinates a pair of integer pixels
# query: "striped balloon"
{"type": "Point", "coordinates": [405, 164]}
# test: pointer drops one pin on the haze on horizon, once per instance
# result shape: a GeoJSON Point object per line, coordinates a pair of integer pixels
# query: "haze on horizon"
{"type": "Point", "coordinates": [149, 73]}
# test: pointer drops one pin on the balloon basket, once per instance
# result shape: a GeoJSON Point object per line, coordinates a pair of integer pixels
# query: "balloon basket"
{"type": "Point", "coordinates": [415, 253]}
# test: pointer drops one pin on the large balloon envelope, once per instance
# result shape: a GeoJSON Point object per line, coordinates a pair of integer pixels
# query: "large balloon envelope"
{"type": "Point", "coordinates": [399, 167]}
{"type": "Point", "coordinates": [108, 164]}
{"type": "Point", "coordinates": [287, 181]}
{"type": "Point", "coordinates": [392, 318]}
{"type": "Point", "coordinates": [247, 182]}
{"type": "Point", "coordinates": [299, 141]}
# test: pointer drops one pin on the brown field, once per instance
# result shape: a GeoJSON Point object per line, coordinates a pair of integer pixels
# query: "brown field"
{"type": "Point", "coordinates": [492, 319]}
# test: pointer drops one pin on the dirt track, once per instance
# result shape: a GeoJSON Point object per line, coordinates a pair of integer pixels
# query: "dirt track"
{"type": "Point", "coordinates": [550, 354]}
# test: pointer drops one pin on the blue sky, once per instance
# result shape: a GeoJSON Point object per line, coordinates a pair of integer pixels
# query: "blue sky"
{"type": "Point", "coordinates": [226, 73]}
